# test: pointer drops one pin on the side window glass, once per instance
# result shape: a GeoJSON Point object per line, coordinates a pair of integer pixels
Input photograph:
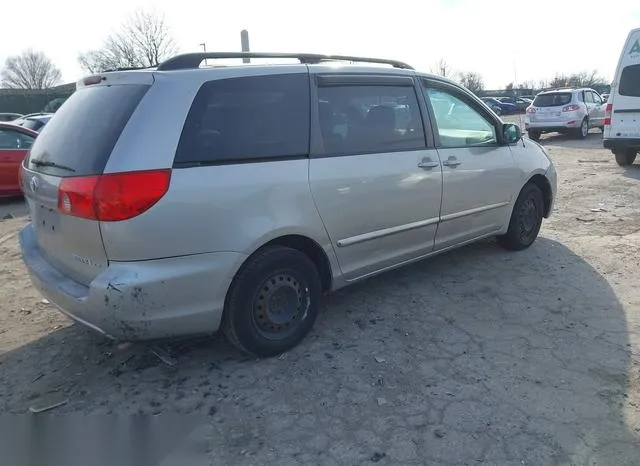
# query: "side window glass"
{"type": "Point", "coordinates": [367, 119]}
{"type": "Point", "coordinates": [596, 98]}
{"type": "Point", "coordinates": [588, 97]}
{"type": "Point", "coordinates": [459, 124]}
{"type": "Point", "coordinates": [25, 141]}
{"type": "Point", "coordinates": [248, 118]}
{"type": "Point", "coordinates": [9, 140]}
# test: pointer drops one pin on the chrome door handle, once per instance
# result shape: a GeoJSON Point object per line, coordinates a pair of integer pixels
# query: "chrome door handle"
{"type": "Point", "coordinates": [428, 164]}
{"type": "Point", "coordinates": [452, 162]}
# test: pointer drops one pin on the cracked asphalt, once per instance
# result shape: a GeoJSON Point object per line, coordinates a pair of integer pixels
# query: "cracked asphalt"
{"type": "Point", "coordinates": [479, 356]}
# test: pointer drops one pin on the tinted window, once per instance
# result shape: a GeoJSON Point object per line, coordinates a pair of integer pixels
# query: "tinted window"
{"type": "Point", "coordinates": [630, 81]}
{"type": "Point", "coordinates": [12, 140]}
{"type": "Point", "coordinates": [86, 128]}
{"type": "Point", "coordinates": [367, 119]}
{"type": "Point", "coordinates": [552, 100]}
{"type": "Point", "coordinates": [459, 124]}
{"type": "Point", "coordinates": [250, 118]}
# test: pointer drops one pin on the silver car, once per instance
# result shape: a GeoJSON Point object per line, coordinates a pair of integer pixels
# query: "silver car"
{"type": "Point", "coordinates": [237, 196]}
{"type": "Point", "coordinates": [569, 110]}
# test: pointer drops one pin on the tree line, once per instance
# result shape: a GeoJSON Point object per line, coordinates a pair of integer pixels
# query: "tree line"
{"type": "Point", "coordinates": [142, 41]}
{"type": "Point", "coordinates": [145, 39]}
{"type": "Point", "coordinates": [475, 82]}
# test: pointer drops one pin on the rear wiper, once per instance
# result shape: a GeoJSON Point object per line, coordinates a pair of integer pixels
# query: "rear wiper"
{"type": "Point", "coordinates": [46, 163]}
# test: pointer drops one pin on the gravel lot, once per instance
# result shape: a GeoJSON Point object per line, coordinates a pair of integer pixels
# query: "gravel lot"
{"type": "Point", "coordinates": [479, 356]}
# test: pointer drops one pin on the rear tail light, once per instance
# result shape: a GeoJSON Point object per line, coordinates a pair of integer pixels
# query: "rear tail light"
{"type": "Point", "coordinates": [607, 114]}
{"type": "Point", "coordinates": [571, 108]}
{"type": "Point", "coordinates": [531, 110]}
{"type": "Point", "coordinates": [114, 196]}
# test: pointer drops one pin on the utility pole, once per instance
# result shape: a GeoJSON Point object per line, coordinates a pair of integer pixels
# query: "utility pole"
{"type": "Point", "coordinates": [244, 44]}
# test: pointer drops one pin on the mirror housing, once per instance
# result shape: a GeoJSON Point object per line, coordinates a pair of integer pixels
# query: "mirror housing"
{"type": "Point", "coordinates": [511, 133]}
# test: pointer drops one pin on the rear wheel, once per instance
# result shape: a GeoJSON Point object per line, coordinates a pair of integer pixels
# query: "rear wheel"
{"type": "Point", "coordinates": [534, 135]}
{"type": "Point", "coordinates": [583, 131]}
{"type": "Point", "coordinates": [526, 219]}
{"type": "Point", "coordinates": [624, 158]}
{"type": "Point", "coordinates": [273, 302]}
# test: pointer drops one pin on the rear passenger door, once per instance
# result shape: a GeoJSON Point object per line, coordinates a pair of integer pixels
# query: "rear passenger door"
{"type": "Point", "coordinates": [479, 174]}
{"type": "Point", "coordinates": [374, 173]}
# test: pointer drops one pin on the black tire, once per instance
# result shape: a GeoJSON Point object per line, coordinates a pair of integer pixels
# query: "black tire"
{"type": "Point", "coordinates": [525, 221]}
{"type": "Point", "coordinates": [624, 158]}
{"type": "Point", "coordinates": [534, 135]}
{"type": "Point", "coordinates": [583, 131]}
{"type": "Point", "coordinates": [273, 302]}
{"type": "Point", "coordinates": [601, 128]}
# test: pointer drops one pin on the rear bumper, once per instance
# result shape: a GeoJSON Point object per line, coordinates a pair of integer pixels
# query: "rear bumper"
{"type": "Point", "coordinates": [140, 300]}
{"type": "Point", "coordinates": [621, 143]}
{"type": "Point", "coordinates": [549, 126]}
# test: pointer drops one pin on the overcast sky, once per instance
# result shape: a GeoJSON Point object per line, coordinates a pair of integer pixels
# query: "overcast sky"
{"type": "Point", "coordinates": [503, 40]}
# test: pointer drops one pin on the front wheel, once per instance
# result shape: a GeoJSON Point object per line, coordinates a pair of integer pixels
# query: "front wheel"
{"type": "Point", "coordinates": [624, 158]}
{"type": "Point", "coordinates": [273, 302]}
{"type": "Point", "coordinates": [584, 129]}
{"type": "Point", "coordinates": [525, 221]}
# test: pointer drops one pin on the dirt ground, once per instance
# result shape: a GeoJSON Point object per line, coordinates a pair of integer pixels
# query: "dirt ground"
{"type": "Point", "coordinates": [480, 356]}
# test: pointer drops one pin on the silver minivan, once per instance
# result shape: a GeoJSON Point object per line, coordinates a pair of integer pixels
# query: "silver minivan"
{"type": "Point", "coordinates": [237, 196]}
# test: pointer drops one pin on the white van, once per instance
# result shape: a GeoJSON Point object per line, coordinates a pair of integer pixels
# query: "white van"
{"type": "Point", "coordinates": [622, 120]}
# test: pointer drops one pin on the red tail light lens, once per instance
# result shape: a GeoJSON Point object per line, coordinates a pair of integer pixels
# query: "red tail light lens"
{"type": "Point", "coordinates": [607, 114]}
{"type": "Point", "coordinates": [571, 108]}
{"type": "Point", "coordinates": [531, 110]}
{"type": "Point", "coordinates": [112, 197]}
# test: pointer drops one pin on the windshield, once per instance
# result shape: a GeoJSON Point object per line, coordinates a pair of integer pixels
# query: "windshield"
{"type": "Point", "coordinates": [556, 99]}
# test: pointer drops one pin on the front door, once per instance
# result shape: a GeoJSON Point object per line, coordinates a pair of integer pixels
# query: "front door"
{"type": "Point", "coordinates": [376, 181]}
{"type": "Point", "coordinates": [13, 148]}
{"type": "Point", "coordinates": [479, 174]}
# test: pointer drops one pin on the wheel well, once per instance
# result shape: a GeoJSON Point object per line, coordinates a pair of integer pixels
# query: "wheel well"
{"type": "Point", "coordinates": [312, 250]}
{"type": "Point", "coordinates": [541, 182]}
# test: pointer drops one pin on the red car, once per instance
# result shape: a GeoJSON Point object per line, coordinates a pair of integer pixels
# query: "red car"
{"type": "Point", "coordinates": [15, 142]}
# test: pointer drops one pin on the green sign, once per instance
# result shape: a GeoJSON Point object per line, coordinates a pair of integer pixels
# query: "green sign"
{"type": "Point", "coordinates": [635, 48]}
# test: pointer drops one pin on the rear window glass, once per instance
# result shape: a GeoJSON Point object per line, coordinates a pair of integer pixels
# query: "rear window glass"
{"type": "Point", "coordinates": [34, 124]}
{"type": "Point", "coordinates": [85, 129]}
{"type": "Point", "coordinates": [552, 100]}
{"type": "Point", "coordinates": [244, 119]}
{"type": "Point", "coordinates": [630, 81]}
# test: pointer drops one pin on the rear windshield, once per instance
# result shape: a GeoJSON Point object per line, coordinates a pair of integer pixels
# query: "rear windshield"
{"type": "Point", "coordinates": [552, 100]}
{"type": "Point", "coordinates": [85, 130]}
{"type": "Point", "coordinates": [34, 124]}
{"type": "Point", "coordinates": [630, 81]}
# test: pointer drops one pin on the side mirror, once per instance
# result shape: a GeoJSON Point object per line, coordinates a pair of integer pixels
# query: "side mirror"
{"type": "Point", "coordinates": [512, 133]}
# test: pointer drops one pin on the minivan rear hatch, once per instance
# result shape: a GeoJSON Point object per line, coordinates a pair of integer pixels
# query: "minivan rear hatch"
{"type": "Point", "coordinates": [75, 146]}
{"type": "Point", "coordinates": [625, 110]}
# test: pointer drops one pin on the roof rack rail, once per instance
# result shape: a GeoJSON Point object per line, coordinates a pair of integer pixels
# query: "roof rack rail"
{"type": "Point", "coordinates": [193, 60]}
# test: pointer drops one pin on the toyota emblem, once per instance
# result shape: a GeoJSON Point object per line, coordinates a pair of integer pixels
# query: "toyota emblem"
{"type": "Point", "coordinates": [34, 184]}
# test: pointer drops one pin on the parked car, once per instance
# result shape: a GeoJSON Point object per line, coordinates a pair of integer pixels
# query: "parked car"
{"type": "Point", "coordinates": [15, 142]}
{"type": "Point", "coordinates": [622, 119]}
{"type": "Point", "coordinates": [282, 183]}
{"type": "Point", "coordinates": [519, 103]}
{"type": "Point", "coordinates": [34, 122]}
{"type": "Point", "coordinates": [566, 110]}
{"type": "Point", "coordinates": [501, 108]}
{"type": "Point", "coordinates": [4, 117]}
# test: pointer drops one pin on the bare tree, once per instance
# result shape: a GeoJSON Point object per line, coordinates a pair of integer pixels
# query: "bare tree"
{"type": "Point", "coordinates": [29, 70]}
{"type": "Point", "coordinates": [144, 40]}
{"type": "Point", "coordinates": [585, 79]}
{"type": "Point", "coordinates": [442, 68]}
{"type": "Point", "coordinates": [472, 81]}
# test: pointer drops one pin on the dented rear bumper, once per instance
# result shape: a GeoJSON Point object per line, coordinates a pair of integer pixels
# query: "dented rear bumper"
{"type": "Point", "coordinates": [140, 300]}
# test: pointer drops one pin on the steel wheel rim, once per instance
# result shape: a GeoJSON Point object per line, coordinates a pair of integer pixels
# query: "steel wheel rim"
{"type": "Point", "coordinates": [280, 305]}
